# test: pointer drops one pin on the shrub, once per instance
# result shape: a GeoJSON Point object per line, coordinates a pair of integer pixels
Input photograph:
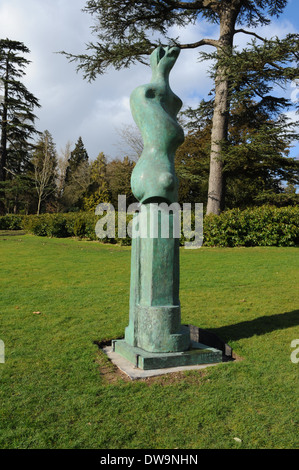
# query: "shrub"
{"type": "Point", "coordinates": [36, 224]}
{"type": "Point", "coordinates": [11, 222]}
{"type": "Point", "coordinates": [259, 226]}
{"type": "Point", "coordinates": [84, 226]}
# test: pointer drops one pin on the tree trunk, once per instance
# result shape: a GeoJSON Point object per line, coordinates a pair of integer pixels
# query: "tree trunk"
{"type": "Point", "coordinates": [3, 142]}
{"type": "Point", "coordinates": [38, 205]}
{"type": "Point", "coordinates": [219, 134]}
{"type": "Point", "coordinates": [220, 114]}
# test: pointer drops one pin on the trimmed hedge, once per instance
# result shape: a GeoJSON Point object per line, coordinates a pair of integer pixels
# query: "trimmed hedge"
{"type": "Point", "coordinates": [260, 226]}
{"type": "Point", "coordinates": [11, 222]}
{"type": "Point", "coordinates": [61, 225]}
{"type": "Point", "coordinates": [73, 224]}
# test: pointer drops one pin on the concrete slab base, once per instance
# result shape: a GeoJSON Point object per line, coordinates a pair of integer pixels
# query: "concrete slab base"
{"type": "Point", "coordinates": [135, 373]}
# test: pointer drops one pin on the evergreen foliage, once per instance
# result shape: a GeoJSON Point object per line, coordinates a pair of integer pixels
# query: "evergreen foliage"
{"type": "Point", "coordinates": [78, 156]}
{"type": "Point", "coordinates": [17, 124]}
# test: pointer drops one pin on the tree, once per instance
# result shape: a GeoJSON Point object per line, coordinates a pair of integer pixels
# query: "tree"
{"type": "Point", "coordinates": [77, 178]}
{"type": "Point", "coordinates": [131, 137]}
{"type": "Point", "coordinates": [19, 190]}
{"type": "Point", "coordinates": [119, 179]}
{"type": "Point", "coordinates": [124, 30]}
{"type": "Point", "coordinates": [256, 165]}
{"type": "Point", "coordinates": [62, 164]}
{"type": "Point", "coordinates": [98, 190]}
{"type": "Point", "coordinates": [16, 111]}
{"type": "Point", "coordinates": [192, 166]}
{"type": "Point", "coordinates": [78, 156]}
{"type": "Point", "coordinates": [45, 162]}
{"type": "Point", "coordinates": [75, 189]}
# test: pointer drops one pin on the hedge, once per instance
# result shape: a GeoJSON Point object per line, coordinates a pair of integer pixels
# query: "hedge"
{"type": "Point", "coordinates": [259, 226]}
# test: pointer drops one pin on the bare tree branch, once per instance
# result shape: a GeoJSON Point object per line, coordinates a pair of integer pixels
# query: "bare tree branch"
{"type": "Point", "coordinates": [10, 171]}
{"type": "Point", "coordinates": [251, 33]}
{"type": "Point", "coordinates": [43, 172]}
{"type": "Point", "coordinates": [130, 136]}
{"type": "Point", "coordinates": [202, 42]}
{"type": "Point", "coordinates": [195, 5]}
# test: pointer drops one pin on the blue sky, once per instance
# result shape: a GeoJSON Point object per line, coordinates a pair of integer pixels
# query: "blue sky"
{"type": "Point", "coordinates": [72, 107]}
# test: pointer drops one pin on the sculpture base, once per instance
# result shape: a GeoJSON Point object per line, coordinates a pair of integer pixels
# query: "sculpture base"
{"type": "Point", "coordinates": [197, 354]}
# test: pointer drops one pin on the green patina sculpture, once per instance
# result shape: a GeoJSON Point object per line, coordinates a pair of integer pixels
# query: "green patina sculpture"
{"type": "Point", "coordinates": [155, 337]}
{"type": "Point", "coordinates": [155, 307]}
{"type": "Point", "coordinates": [154, 108]}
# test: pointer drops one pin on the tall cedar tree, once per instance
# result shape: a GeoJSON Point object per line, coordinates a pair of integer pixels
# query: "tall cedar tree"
{"type": "Point", "coordinates": [16, 112]}
{"type": "Point", "coordinates": [124, 30]}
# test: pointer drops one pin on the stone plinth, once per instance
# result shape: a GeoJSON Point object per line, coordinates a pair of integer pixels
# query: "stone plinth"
{"type": "Point", "coordinates": [197, 354]}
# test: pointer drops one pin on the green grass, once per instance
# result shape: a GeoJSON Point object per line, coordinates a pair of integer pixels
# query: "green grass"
{"type": "Point", "coordinates": [56, 387]}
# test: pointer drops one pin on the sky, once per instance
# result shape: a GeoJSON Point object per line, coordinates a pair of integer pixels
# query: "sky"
{"type": "Point", "coordinates": [97, 111]}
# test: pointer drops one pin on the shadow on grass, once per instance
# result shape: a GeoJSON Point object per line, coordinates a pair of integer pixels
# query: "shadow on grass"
{"type": "Point", "coordinates": [258, 326]}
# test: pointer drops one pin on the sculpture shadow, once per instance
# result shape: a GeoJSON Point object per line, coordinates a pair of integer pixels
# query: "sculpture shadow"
{"type": "Point", "coordinates": [218, 337]}
{"type": "Point", "coordinates": [258, 326]}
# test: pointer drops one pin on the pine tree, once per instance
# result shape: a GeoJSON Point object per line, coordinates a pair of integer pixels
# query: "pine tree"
{"type": "Point", "coordinates": [78, 156]}
{"type": "Point", "coordinates": [16, 113]}
{"type": "Point", "coordinates": [124, 31]}
{"type": "Point", "coordinates": [77, 178]}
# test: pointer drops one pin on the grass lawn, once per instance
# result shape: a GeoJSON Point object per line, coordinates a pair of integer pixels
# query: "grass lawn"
{"type": "Point", "coordinates": [58, 390]}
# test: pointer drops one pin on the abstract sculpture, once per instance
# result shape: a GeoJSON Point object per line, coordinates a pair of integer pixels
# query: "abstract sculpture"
{"type": "Point", "coordinates": [155, 337]}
